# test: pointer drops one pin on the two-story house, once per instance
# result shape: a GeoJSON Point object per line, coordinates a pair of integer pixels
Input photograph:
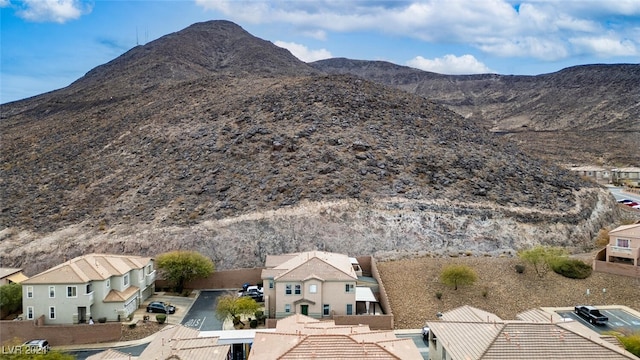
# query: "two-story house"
{"type": "Point", "coordinates": [94, 285]}
{"type": "Point", "coordinates": [622, 254]}
{"type": "Point", "coordinates": [314, 283]}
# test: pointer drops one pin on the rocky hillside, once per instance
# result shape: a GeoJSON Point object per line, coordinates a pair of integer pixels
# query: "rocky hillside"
{"type": "Point", "coordinates": [583, 114]}
{"type": "Point", "coordinates": [245, 151]}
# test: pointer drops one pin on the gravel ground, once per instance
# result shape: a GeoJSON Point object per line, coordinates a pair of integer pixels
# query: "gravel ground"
{"type": "Point", "coordinates": [140, 331]}
{"type": "Point", "coordinates": [412, 285]}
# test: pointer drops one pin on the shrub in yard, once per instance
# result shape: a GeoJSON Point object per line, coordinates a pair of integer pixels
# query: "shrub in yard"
{"type": "Point", "coordinates": [102, 320]}
{"type": "Point", "coordinates": [520, 268]}
{"type": "Point", "coordinates": [455, 275]}
{"type": "Point", "coordinates": [161, 318]}
{"type": "Point", "coordinates": [572, 268]}
{"type": "Point", "coordinates": [132, 326]}
{"type": "Point", "coordinates": [631, 343]}
{"type": "Point", "coordinates": [253, 323]}
{"type": "Point", "coordinates": [439, 295]}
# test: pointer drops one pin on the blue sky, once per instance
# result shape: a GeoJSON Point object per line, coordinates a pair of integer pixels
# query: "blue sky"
{"type": "Point", "coordinates": [48, 44]}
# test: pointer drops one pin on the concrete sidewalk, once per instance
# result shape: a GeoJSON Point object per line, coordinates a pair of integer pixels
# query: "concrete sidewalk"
{"type": "Point", "coordinates": [182, 304]}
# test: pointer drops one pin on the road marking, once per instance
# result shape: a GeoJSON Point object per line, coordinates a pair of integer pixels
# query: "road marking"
{"type": "Point", "coordinates": [202, 323]}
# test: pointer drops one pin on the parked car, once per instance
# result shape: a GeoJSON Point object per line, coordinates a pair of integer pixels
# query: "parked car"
{"type": "Point", "coordinates": [636, 207]}
{"type": "Point", "coordinates": [255, 294]}
{"type": "Point", "coordinates": [160, 307]}
{"type": "Point", "coordinates": [632, 204]}
{"type": "Point", "coordinates": [37, 346]}
{"type": "Point", "coordinates": [623, 201]}
{"type": "Point", "coordinates": [591, 314]}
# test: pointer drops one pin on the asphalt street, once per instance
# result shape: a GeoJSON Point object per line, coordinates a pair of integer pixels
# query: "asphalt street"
{"type": "Point", "coordinates": [202, 315]}
{"type": "Point", "coordinates": [619, 320]}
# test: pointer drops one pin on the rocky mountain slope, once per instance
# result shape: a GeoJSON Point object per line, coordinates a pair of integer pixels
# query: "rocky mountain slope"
{"type": "Point", "coordinates": [583, 114]}
{"type": "Point", "coordinates": [212, 140]}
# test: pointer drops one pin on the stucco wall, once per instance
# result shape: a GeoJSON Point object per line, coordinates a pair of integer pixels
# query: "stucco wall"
{"type": "Point", "coordinates": [58, 335]}
{"type": "Point", "coordinates": [225, 279]}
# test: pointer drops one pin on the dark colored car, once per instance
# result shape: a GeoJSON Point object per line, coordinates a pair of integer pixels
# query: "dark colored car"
{"type": "Point", "coordinates": [160, 307]}
{"type": "Point", "coordinates": [255, 294]}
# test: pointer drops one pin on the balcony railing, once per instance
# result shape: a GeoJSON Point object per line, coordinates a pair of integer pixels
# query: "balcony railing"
{"type": "Point", "coordinates": [626, 252]}
{"type": "Point", "coordinates": [151, 278]}
{"type": "Point", "coordinates": [89, 298]}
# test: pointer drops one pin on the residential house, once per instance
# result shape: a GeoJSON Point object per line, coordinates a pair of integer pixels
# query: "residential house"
{"type": "Point", "coordinates": [95, 285]}
{"type": "Point", "coordinates": [622, 254]}
{"type": "Point", "coordinates": [174, 342]}
{"type": "Point", "coordinates": [595, 173]}
{"type": "Point", "coordinates": [302, 337]}
{"type": "Point", "coordinates": [313, 283]}
{"type": "Point", "coordinates": [628, 175]}
{"type": "Point", "coordinates": [470, 333]}
{"type": "Point", "coordinates": [11, 276]}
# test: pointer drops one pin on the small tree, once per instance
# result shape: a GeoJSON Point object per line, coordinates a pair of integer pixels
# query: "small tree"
{"type": "Point", "coordinates": [180, 266]}
{"type": "Point", "coordinates": [232, 306]}
{"type": "Point", "coordinates": [454, 275]}
{"type": "Point", "coordinates": [11, 298]}
{"type": "Point", "coordinates": [542, 257]}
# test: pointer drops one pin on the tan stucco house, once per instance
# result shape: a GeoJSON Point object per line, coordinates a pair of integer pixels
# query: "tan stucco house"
{"type": "Point", "coordinates": [94, 285]}
{"type": "Point", "coordinates": [628, 175]}
{"type": "Point", "coordinates": [302, 337]}
{"type": "Point", "coordinates": [622, 255]}
{"type": "Point", "coordinates": [314, 283]}
{"type": "Point", "coordinates": [470, 333]}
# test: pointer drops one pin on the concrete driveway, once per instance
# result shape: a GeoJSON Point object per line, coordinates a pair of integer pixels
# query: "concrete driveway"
{"type": "Point", "coordinates": [182, 304]}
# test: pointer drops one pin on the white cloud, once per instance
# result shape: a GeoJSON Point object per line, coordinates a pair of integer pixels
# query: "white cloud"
{"type": "Point", "coordinates": [59, 11]}
{"type": "Point", "coordinates": [543, 29]}
{"type": "Point", "coordinates": [604, 46]}
{"type": "Point", "coordinates": [450, 64]}
{"type": "Point", "coordinates": [303, 53]}
{"type": "Point", "coordinates": [4, 3]}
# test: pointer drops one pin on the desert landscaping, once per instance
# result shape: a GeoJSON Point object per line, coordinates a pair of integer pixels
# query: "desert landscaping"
{"type": "Point", "coordinates": [412, 284]}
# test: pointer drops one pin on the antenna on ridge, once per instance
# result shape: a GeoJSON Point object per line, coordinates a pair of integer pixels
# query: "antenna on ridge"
{"type": "Point", "coordinates": [137, 43]}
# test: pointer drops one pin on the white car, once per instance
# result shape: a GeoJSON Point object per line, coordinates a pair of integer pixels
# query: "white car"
{"type": "Point", "coordinates": [37, 346]}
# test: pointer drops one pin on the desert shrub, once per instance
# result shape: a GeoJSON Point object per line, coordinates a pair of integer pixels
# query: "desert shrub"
{"type": "Point", "coordinates": [541, 258]}
{"type": "Point", "coordinates": [603, 238]}
{"type": "Point", "coordinates": [454, 275]}
{"type": "Point", "coordinates": [571, 268]}
{"type": "Point", "coordinates": [485, 292]}
{"type": "Point", "coordinates": [132, 326]}
{"type": "Point", "coordinates": [438, 295]}
{"type": "Point", "coordinates": [520, 268]}
{"type": "Point", "coordinates": [161, 318]}
{"type": "Point", "coordinates": [102, 320]}
{"type": "Point", "coordinates": [631, 343]}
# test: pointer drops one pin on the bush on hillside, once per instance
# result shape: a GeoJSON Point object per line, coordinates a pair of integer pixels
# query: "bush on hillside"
{"type": "Point", "coordinates": [572, 268]}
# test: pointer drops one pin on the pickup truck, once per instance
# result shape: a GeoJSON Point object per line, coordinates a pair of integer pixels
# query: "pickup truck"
{"type": "Point", "coordinates": [591, 314]}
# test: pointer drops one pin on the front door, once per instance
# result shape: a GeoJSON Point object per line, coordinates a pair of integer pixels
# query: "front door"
{"type": "Point", "coordinates": [82, 314]}
{"type": "Point", "coordinates": [304, 309]}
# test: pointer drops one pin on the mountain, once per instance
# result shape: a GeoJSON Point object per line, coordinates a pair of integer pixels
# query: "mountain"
{"type": "Point", "coordinates": [584, 114]}
{"type": "Point", "coordinates": [213, 140]}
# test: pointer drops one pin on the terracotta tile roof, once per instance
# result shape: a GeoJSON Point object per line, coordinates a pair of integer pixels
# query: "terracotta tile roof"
{"type": "Point", "coordinates": [469, 313]}
{"type": "Point", "coordinates": [302, 337]}
{"type": "Point", "coordinates": [89, 267]}
{"type": "Point", "coordinates": [110, 355]}
{"type": "Point", "coordinates": [119, 296]}
{"type": "Point", "coordinates": [537, 335]}
{"type": "Point", "coordinates": [319, 264]}
{"type": "Point", "coordinates": [183, 342]}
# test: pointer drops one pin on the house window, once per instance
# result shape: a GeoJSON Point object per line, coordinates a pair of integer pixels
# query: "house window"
{"type": "Point", "coordinates": [89, 288]}
{"type": "Point", "coordinates": [108, 283]}
{"type": "Point", "coordinates": [270, 284]}
{"type": "Point", "coordinates": [149, 269]}
{"type": "Point", "coordinates": [52, 312]}
{"type": "Point", "coordinates": [52, 291]}
{"type": "Point", "coordinates": [287, 289]}
{"type": "Point", "coordinates": [622, 243]}
{"type": "Point", "coordinates": [313, 289]}
{"type": "Point", "coordinates": [72, 291]}
{"type": "Point", "coordinates": [30, 292]}
{"type": "Point", "coordinates": [287, 308]}
{"type": "Point", "coordinates": [349, 309]}
{"type": "Point", "coordinates": [325, 309]}
{"type": "Point", "coordinates": [29, 312]}
{"type": "Point", "coordinates": [125, 280]}
{"type": "Point", "coordinates": [348, 288]}
{"type": "Point", "coordinates": [298, 290]}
